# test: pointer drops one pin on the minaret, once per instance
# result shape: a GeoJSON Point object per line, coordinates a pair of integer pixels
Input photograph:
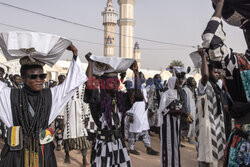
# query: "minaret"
{"type": "Point", "coordinates": [126, 24]}
{"type": "Point", "coordinates": [137, 54]}
{"type": "Point", "coordinates": [109, 22]}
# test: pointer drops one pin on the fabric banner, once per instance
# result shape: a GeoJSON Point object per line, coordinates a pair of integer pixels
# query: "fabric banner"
{"type": "Point", "coordinates": [46, 48]}
{"type": "Point", "coordinates": [104, 64]}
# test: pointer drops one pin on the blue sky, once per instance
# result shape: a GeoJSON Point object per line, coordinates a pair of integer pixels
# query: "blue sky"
{"type": "Point", "coordinates": [175, 21]}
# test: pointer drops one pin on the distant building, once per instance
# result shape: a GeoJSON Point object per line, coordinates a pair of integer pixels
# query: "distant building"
{"type": "Point", "coordinates": [126, 28]}
{"type": "Point", "coordinates": [109, 22]}
{"type": "Point", "coordinates": [126, 24]}
{"type": "Point", "coordinates": [137, 54]}
{"type": "Point", "coordinates": [127, 48]}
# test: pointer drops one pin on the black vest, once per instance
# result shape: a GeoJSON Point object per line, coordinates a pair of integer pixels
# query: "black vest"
{"type": "Point", "coordinates": [42, 118]}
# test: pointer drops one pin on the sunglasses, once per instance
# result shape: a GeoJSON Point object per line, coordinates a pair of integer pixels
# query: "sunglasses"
{"type": "Point", "coordinates": [34, 76]}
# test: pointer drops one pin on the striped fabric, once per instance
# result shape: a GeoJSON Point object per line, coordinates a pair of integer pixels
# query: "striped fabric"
{"type": "Point", "coordinates": [110, 154]}
{"type": "Point", "coordinates": [14, 139]}
{"type": "Point", "coordinates": [170, 141]}
{"type": "Point", "coordinates": [75, 113]}
{"type": "Point", "coordinates": [79, 143]}
{"type": "Point", "coordinates": [209, 127]}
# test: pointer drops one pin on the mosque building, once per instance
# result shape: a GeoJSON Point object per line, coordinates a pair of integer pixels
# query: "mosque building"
{"type": "Point", "coordinates": [109, 23]}
{"type": "Point", "coordinates": [126, 23]}
{"type": "Point", "coordinates": [127, 47]}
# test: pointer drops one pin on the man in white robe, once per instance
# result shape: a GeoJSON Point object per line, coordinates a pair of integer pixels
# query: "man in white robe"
{"type": "Point", "coordinates": [138, 123]}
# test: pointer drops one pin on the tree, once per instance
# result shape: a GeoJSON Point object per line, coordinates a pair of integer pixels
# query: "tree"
{"type": "Point", "coordinates": [176, 63]}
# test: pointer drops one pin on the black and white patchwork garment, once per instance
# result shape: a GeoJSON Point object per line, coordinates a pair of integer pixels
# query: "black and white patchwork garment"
{"type": "Point", "coordinates": [170, 145]}
{"type": "Point", "coordinates": [110, 154]}
{"type": "Point", "coordinates": [236, 13]}
{"type": "Point", "coordinates": [91, 127]}
{"type": "Point", "coordinates": [213, 40]}
{"type": "Point", "coordinates": [224, 58]}
{"type": "Point", "coordinates": [209, 127]}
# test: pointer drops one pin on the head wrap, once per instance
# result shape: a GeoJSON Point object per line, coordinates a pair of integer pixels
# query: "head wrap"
{"type": "Point", "coordinates": [30, 61]}
{"type": "Point", "coordinates": [46, 48]}
{"type": "Point", "coordinates": [106, 65]}
{"type": "Point", "coordinates": [170, 95]}
{"type": "Point", "coordinates": [180, 72]}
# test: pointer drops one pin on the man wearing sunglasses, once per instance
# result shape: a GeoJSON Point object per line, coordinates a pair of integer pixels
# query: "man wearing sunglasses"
{"type": "Point", "coordinates": [29, 111]}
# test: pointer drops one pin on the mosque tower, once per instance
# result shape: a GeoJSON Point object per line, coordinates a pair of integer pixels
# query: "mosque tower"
{"type": "Point", "coordinates": [137, 54]}
{"type": "Point", "coordinates": [126, 25]}
{"type": "Point", "coordinates": [109, 22]}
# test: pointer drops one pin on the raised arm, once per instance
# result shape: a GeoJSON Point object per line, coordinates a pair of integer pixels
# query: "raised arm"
{"type": "Point", "coordinates": [136, 92]}
{"type": "Point", "coordinates": [214, 36]}
{"type": "Point", "coordinates": [89, 71]}
{"type": "Point", "coordinates": [91, 87]}
{"type": "Point", "coordinates": [63, 92]}
{"type": "Point", "coordinates": [213, 42]}
{"type": "Point", "coordinates": [219, 6]}
{"type": "Point", "coordinates": [134, 68]}
{"type": "Point", "coordinates": [204, 68]}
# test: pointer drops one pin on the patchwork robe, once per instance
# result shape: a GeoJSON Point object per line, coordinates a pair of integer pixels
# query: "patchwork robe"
{"type": "Point", "coordinates": [209, 126]}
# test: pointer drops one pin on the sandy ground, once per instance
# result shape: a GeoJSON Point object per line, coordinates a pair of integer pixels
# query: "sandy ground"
{"type": "Point", "coordinates": [188, 156]}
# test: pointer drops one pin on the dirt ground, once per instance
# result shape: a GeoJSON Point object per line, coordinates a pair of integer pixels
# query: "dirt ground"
{"type": "Point", "coordinates": [188, 156]}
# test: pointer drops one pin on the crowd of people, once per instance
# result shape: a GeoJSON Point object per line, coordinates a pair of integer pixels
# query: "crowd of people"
{"type": "Point", "coordinates": [100, 110]}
